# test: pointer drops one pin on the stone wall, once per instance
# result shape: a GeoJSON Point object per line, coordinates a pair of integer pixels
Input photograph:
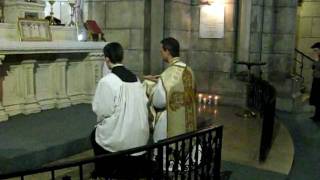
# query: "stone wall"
{"type": "Point", "coordinates": [273, 36]}
{"type": "Point", "coordinates": [272, 40]}
{"type": "Point", "coordinates": [270, 37]}
{"type": "Point", "coordinates": [308, 25]}
{"type": "Point", "coordinates": [124, 21]}
{"type": "Point", "coordinates": [211, 59]}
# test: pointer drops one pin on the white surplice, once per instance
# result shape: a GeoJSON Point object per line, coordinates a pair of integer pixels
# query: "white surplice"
{"type": "Point", "coordinates": [122, 114]}
{"type": "Point", "coordinates": [159, 101]}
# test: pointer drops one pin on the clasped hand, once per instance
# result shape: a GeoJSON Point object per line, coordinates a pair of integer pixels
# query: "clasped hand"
{"type": "Point", "coordinates": [152, 77]}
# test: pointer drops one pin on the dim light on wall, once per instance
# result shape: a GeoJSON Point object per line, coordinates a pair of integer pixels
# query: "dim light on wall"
{"type": "Point", "coordinates": [209, 2]}
{"type": "Point", "coordinates": [212, 18]}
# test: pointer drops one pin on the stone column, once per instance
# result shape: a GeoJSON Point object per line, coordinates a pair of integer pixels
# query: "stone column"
{"type": "Point", "coordinates": [156, 35]}
{"type": "Point", "coordinates": [3, 114]}
{"type": "Point", "coordinates": [60, 82]}
{"type": "Point", "coordinates": [244, 30]}
{"type": "Point", "coordinates": [30, 104]}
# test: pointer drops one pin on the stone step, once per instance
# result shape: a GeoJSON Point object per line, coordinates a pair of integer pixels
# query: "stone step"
{"type": "Point", "coordinates": [288, 87]}
{"type": "Point", "coordinates": [296, 104]}
{"type": "Point", "coordinates": [30, 141]}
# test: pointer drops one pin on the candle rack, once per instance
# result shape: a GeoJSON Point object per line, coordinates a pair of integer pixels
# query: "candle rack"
{"type": "Point", "coordinates": [208, 99]}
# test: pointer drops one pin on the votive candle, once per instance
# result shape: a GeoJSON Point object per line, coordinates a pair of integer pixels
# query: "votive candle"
{"type": "Point", "coordinates": [209, 100]}
{"type": "Point", "coordinates": [216, 100]}
{"type": "Point", "coordinates": [204, 100]}
{"type": "Point", "coordinates": [200, 98]}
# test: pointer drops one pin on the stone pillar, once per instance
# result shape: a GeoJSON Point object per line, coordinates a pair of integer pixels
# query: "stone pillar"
{"type": "Point", "coordinates": [93, 72]}
{"type": "Point", "coordinates": [244, 30]}
{"type": "Point", "coordinates": [60, 82]}
{"type": "Point", "coordinates": [3, 114]}
{"type": "Point", "coordinates": [45, 88]}
{"type": "Point", "coordinates": [30, 104]}
{"type": "Point", "coordinates": [75, 82]}
{"type": "Point", "coordinates": [96, 62]}
{"type": "Point", "coordinates": [156, 35]}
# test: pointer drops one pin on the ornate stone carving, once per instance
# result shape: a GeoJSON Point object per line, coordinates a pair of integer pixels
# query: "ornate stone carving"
{"type": "Point", "coordinates": [3, 114]}
{"type": "Point", "coordinates": [44, 76]}
{"type": "Point", "coordinates": [60, 83]}
{"type": "Point", "coordinates": [30, 104]}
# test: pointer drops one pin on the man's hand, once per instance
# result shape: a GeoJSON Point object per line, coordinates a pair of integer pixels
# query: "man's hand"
{"type": "Point", "coordinates": [152, 77]}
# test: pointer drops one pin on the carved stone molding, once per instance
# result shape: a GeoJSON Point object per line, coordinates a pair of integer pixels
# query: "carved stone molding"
{"type": "Point", "coordinates": [60, 83]}
{"type": "Point", "coordinates": [14, 47]}
{"type": "Point", "coordinates": [45, 89]}
{"type": "Point", "coordinates": [30, 105]}
{"type": "Point", "coordinates": [46, 75]}
{"type": "Point", "coordinates": [75, 82]}
{"type": "Point", "coordinates": [3, 114]}
{"type": "Point", "coordinates": [96, 60]}
{"type": "Point", "coordinates": [2, 56]}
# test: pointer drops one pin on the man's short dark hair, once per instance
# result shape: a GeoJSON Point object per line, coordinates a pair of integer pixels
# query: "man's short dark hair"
{"type": "Point", "coordinates": [172, 45]}
{"type": "Point", "coordinates": [316, 45]}
{"type": "Point", "coordinates": [114, 52]}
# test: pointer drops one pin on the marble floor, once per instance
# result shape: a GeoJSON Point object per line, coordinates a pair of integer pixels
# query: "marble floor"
{"type": "Point", "coordinates": [241, 137]}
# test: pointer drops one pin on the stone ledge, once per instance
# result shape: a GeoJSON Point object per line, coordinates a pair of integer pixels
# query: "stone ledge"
{"type": "Point", "coordinates": [16, 47]}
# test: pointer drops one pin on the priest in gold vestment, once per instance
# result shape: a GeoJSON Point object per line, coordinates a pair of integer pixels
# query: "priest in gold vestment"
{"type": "Point", "coordinates": [172, 95]}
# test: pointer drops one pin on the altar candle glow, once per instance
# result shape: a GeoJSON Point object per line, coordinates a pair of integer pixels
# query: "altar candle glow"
{"type": "Point", "coordinates": [215, 112]}
{"type": "Point", "coordinates": [209, 100]}
{"type": "Point", "coordinates": [204, 100]}
{"type": "Point", "coordinates": [216, 100]}
{"type": "Point", "coordinates": [200, 98]}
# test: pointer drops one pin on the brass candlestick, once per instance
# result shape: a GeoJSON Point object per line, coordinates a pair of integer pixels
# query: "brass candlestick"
{"type": "Point", "coordinates": [51, 21]}
{"type": "Point", "coordinates": [72, 23]}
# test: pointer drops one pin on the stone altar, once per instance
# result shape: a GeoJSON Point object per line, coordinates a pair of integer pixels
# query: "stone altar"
{"type": "Point", "coordinates": [14, 9]}
{"type": "Point", "coordinates": [36, 76]}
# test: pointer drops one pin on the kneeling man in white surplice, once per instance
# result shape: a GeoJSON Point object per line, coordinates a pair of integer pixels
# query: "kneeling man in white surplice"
{"type": "Point", "coordinates": [172, 94]}
{"type": "Point", "coordinates": [120, 104]}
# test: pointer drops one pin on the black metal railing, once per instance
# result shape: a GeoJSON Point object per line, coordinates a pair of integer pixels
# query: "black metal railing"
{"type": "Point", "coordinates": [299, 63]}
{"type": "Point", "coordinates": [195, 155]}
{"type": "Point", "coordinates": [262, 98]}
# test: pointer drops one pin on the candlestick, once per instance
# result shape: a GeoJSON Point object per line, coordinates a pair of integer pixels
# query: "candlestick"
{"type": "Point", "coordinates": [51, 21]}
{"type": "Point", "coordinates": [215, 112]}
{"type": "Point", "coordinates": [200, 98]}
{"type": "Point", "coordinates": [204, 100]}
{"type": "Point", "coordinates": [216, 100]}
{"type": "Point", "coordinates": [199, 109]}
{"type": "Point", "coordinates": [204, 108]}
{"type": "Point", "coordinates": [72, 3]}
{"type": "Point", "coordinates": [209, 100]}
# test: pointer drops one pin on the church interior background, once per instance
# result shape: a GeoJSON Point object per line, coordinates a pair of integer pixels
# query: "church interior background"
{"type": "Point", "coordinates": [49, 74]}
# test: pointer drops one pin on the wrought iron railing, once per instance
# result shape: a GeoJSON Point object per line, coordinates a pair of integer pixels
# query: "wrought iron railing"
{"type": "Point", "coordinates": [262, 98]}
{"type": "Point", "coordinates": [195, 155]}
{"type": "Point", "coordinates": [299, 63]}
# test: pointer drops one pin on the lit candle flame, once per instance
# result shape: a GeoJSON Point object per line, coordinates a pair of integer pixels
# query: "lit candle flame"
{"type": "Point", "coordinates": [200, 97]}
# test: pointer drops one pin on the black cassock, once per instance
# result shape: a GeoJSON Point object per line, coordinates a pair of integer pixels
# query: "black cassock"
{"type": "Point", "coordinates": [315, 92]}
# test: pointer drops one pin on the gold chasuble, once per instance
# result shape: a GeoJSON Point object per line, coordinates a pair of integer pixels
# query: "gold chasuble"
{"type": "Point", "coordinates": [179, 85]}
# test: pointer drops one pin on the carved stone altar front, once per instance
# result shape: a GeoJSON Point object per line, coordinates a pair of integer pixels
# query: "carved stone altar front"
{"type": "Point", "coordinates": [36, 76]}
